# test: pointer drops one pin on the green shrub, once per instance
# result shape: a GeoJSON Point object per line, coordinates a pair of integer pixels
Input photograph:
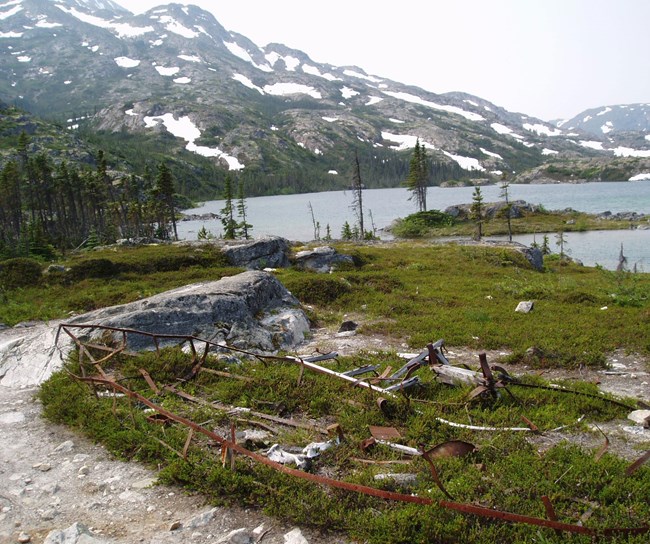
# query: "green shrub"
{"type": "Point", "coordinates": [93, 268]}
{"type": "Point", "coordinates": [314, 289]}
{"type": "Point", "coordinates": [19, 272]}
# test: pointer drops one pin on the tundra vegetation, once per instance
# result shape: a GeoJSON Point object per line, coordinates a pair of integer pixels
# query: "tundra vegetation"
{"type": "Point", "coordinates": [411, 292]}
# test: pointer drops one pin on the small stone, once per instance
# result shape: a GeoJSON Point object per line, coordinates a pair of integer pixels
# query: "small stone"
{"type": "Point", "coordinates": [144, 483]}
{"type": "Point", "coordinates": [347, 326]}
{"type": "Point", "coordinates": [23, 538]}
{"type": "Point", "coordinates": [84, 471]}
{"type": "Point", "coordinates": [175, 525]}
{"type": "Point", "coordinates": [64, 447]}
{"type": "Point", "coordinates": [639, 416]}
{"type": "Point", "coordinates": [525, 306]}
{"type": "Point", "coordinates": [44, 467]}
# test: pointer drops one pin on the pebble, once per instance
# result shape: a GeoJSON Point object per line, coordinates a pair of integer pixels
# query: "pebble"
{"type": "Point", "coordinates": [44, 467]}
{"type": "Point", "coordinates": [84, 471]}
{"type": "Point", "coordinates": [175, 525]}
{"type": "Point", "coordinates": [23, 538]}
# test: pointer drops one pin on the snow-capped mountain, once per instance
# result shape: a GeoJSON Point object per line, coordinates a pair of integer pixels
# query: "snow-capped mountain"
{"type": "Point", "coordinates": [174, 73]}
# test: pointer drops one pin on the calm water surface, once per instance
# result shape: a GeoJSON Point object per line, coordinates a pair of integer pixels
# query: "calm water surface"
{"type": "Point", "coordinates": [289, 216]}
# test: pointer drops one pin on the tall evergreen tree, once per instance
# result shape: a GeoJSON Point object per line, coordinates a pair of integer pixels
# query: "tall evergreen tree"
{"type": "Point", "coordinates": [165, 189]}
{"type": "Point", "coordinates": [228, 212]}
{"type": "Point", "coordinates": [243, 226]}
{"type": "Point", "coordinates": [477, 212]}
{"type": "Point", "coordinates": [416, 182]}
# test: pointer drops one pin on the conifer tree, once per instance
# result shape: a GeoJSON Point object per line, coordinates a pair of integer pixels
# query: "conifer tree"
{"type": "Point", "coordinates": [165, 190]}
{"type": "Point", "coordinates": [476, 211]}
{"type": "Point", "coordinates": [416, 182]}
{"type": "Point", "coordinates": [228, 212]}
{"type": "Point", "coordinates": [243, 226]}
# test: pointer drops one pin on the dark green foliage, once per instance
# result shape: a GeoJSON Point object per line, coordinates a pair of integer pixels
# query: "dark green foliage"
{"type": "Point", "coordinates": [20, 272]}
{"type": "Point", "coordinates": [317, 289]}
{"type": "Point", "coordinates": [417, 179]}
{"type": "Point", "coordinates": [92, 268]}
{"type": "Point", "coordinates": [419, 224]}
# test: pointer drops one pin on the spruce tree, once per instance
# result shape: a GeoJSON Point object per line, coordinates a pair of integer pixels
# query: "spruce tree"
{"type": "Point", "coordinates": [165, 190]}
{"type": "Point", "coordinates": [228, 212]}
{"type": "Point", "coordinates": [416, 182]}
{"type": "Point", "coordinates": [476, 211]}
{"type": "Point", "coordinates": [243, 226]}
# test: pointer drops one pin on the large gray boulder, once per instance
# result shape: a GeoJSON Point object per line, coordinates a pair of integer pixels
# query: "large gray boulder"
{"type": "Point", "coordinates": [269, 252]}
{"type": "Point", "coordinates": [321, 259]}
{"type": "Point", "coordinates": [252, 310]}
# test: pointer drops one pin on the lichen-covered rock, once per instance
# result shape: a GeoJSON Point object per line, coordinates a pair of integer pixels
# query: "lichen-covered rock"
{"type": "Point", "coordinates": [322, 259]}
{"type": "Point", "coordinates": [270, 252]}
{"type": "Point", "coordinates": [250, 310]}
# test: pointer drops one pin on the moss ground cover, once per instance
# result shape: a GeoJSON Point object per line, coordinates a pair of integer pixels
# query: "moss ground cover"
{"type": "Point", "coordinates": [415, 292]}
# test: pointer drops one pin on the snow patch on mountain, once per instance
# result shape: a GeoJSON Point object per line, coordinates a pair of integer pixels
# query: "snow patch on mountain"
{"type": "Point", "coordinates": [330, 119]}
{"type": "Point", "coordinates": [126, 62]}
{"type": "Point", "coordinates": [13, 11]}
{"type": "Point", "coordinates": [291, 63]}
{"type": "Point", "coordinates": [542, 130]}
{"type": "Point", "coordinates": [590, 144]}
{"type": "Point", "coordinates": [405, 141]}
{"type": "Point", "coordinates": [240, 52]}
{"type": "Point", "coordinates": [184, 128]}
{"type": "Point", "coordinates": [313, 71]}
{"type": "Point", "coordinates": [172, 25]}
{"type": "Point", "coordinates": [283, 89]}
{"type": "Point", "coordinates": [607, 127]}
{"type": "Point", "coordinates": [502, 129]}
{"type": "Point", "coordinates": [247, 82]}
{"type": "Point", "coordinates": [629, 152]}
{"type": "Point", "coordinates": [183, 80]}
{"type": "Point", "coordinates": [407, 97]}
{"type": "Point", "coordinates": [353, 73]}
{"type": "Point", "coordinates": [640, 177]}
{"type": "Point", "coordinates": [44, 23]}
{"type": "Point", "coordinates": [603, 112]}
{"type": "Point", "coordinates": [491, 153]}
{"type": "Point", "coordinates": [11, 34]}
{"type": "Point", "coordinates": [167, 71]}
{"type": "Point", "coordinates": [547, 151]}
{"type": "Point", "coordinates": [122, 30]}
{"type": "Point", "coordinates": [189, 58]}
{"type": "Point", "coordinates": [347, 92]}
{"type": "Point", "coordinates": [374, 100]}
{"type": "Point", "coordinates": [467, 163]}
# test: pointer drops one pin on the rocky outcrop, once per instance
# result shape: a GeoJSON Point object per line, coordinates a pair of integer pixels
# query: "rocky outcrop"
{"type": "Point", "coordinates": [252, 310]}
{"type": "Point", "coordinates": [493, 209]}
{"type": "Point", "coordinates": [270, 252]}
{"type": "Point", "coordinates": [321, 259]}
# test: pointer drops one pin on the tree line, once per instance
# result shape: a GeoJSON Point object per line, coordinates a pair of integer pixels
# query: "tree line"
{"type": "Point", "coordinates": [45, 207]}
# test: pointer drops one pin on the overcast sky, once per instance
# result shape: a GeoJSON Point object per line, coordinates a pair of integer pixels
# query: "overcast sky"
{"type": "Point", "coordinates": [547, 58]}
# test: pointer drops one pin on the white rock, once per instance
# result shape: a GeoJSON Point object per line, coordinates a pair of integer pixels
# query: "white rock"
{"type": "Point", "coordinates": [202, 519]}
{"type": "Point", "coordinates": [12, 417]}
{"type": "Point", "coordinates": [525, 306]}
{"type": "Point", "coordinates": [64, 447]}
{"type": "Point", "coordinates": [295, 537]}
{"type": "Point", "coordinates": [639, 416]}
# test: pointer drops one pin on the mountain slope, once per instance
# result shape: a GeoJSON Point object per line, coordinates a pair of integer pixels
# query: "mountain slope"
{"type": "Point", "coordinates": [214, 101]}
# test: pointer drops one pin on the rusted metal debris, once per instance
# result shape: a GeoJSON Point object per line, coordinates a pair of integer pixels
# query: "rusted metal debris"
{"type": "Point", "coordinates": [229, 446]}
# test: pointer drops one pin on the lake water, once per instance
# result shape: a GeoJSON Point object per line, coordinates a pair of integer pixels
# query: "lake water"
{"type": "Point", "coordinates": [289, 215]}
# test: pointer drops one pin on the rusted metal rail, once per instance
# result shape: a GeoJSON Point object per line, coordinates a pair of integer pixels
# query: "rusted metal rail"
{"type": "Point", "coordinates": [230, 446]}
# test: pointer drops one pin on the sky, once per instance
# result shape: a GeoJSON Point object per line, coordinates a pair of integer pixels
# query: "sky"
{"type": "Point", "coordinates": [550, 59]}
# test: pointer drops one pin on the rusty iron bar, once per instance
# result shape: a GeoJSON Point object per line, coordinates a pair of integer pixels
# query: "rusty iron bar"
{"type": "Point", "coordinates": [231, 446]}
{"type": "Point", "coordinates": [357, 488]}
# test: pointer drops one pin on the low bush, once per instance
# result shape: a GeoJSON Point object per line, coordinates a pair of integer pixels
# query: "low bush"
{"type": "Point", "coordinates": [20, 272]}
